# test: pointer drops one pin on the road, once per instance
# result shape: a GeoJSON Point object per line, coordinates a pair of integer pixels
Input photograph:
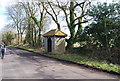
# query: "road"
{"type": "Point", "coordinates": [21, 64]}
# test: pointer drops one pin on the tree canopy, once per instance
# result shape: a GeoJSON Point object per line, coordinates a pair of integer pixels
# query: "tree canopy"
{"type": "Point", "coordinates": [105, 26]}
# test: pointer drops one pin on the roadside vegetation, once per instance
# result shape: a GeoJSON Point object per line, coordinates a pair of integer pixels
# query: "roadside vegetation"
{"type": "Point", "coordinates": [7, 37]}
{"type": "Point", "coordinates": [97, 44]}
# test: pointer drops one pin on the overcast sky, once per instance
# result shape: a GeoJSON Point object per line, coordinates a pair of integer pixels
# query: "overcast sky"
{"type": "Point", "coordinates": [4, 3]}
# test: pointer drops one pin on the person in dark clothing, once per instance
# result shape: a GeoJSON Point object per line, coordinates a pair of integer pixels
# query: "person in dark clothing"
{"type": "Point", "coordinates": [2, 50]}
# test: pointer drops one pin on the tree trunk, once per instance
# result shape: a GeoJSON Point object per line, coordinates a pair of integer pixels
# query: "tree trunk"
{"type": "Point", "coordinates": [32, 34]}
{"type": "Point", "coordinates": [69, 44]}
{"type": "Point", "coordinates": [18, 38]}
{"type": "Point", "coordinates": [70, 41]}
{"type": "Point", "coordinates": [106, 36]}
{"type": "Point", "coordinates": [35, 36]}
{"type": "Point", "coordinates": [21, 37]}
{"type": "Point", "coordinates": [39, 38]}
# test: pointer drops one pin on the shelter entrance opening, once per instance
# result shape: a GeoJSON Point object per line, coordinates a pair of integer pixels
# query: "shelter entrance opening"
{"type": "Point", "coordinates": [49, 45]}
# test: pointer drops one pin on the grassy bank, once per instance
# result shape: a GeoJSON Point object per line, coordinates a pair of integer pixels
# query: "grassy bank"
{"type": "Point", "coordinates": [37, 50]}
{"type": "Point", "coordinates": [78, 59]}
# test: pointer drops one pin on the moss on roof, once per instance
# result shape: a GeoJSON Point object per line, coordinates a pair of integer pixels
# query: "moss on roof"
{"type": "Point", "coordinates": [55, 32]}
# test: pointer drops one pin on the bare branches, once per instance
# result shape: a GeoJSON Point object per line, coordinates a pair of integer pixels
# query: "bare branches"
{"type": "Point", "coordinates": [79, 4]}
{"type": "Point", "coordinates": [64, 9]}
{"type": "Point", "coordinates": [53, 14]}
{"type": "Point", "coordinates": [48, 12]}
{"type": "Point", "coordinates": [16, 14]}
{"type": "Point", "coordinates": [74, 14]}
{"type": "Point", "coordinates": [82, 22]}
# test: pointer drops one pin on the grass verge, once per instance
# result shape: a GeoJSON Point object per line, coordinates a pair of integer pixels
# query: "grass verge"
{"type": "Point", "coordinates": [77, 59]}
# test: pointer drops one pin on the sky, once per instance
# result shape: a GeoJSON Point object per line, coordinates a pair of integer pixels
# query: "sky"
{"type": "Point", "coordinates": [3, 15]}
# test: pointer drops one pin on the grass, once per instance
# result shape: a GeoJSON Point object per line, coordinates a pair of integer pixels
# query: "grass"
{"type": "Point", "coordinates": [89, 62]}
{"type": "Point", "coordinates": [78, 59]}
{"type": "Point", "coordinates": [28, 48]}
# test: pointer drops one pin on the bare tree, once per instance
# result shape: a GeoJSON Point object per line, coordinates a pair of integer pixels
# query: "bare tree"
{"type": "Point", "coordinates": [16, 13]}
{"type": "Point", "coordinates": [52, 11]}
{"type": "Point", "coordinates": [75, 14]}
{"type": "Point", "coordinates": [32, 9]}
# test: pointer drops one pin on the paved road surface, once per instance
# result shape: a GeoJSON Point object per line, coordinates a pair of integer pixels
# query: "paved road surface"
{"type": "Point", "coordinates": [20, 64]}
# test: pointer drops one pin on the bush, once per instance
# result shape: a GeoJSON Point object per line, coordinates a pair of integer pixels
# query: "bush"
{"type": "Point", "coordinates": [97, 54]}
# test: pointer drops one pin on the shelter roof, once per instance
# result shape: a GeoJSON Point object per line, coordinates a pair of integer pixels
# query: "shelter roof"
{"type": "Point", "coordinates": [55, 32]}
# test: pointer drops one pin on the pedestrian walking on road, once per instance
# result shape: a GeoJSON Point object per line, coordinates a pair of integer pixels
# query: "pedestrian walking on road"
{"type": "Point", "coordinates": [2, 50]}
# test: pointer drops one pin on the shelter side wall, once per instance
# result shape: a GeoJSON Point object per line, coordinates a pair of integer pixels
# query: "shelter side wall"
{"type": "Point", "coordinates": [59, 45]}
{"type": "Point", "coordinates": [45, 43]}
{"type": "Point", "coordinates": [53, 44]}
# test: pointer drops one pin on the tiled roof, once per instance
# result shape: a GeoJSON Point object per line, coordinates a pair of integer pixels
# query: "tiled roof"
{"type": "Point", "coordinates": [55, 32]}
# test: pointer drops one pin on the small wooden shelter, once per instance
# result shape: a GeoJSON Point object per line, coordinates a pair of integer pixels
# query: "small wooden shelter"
{"type": "Point", "coordinates": [54, 41]}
